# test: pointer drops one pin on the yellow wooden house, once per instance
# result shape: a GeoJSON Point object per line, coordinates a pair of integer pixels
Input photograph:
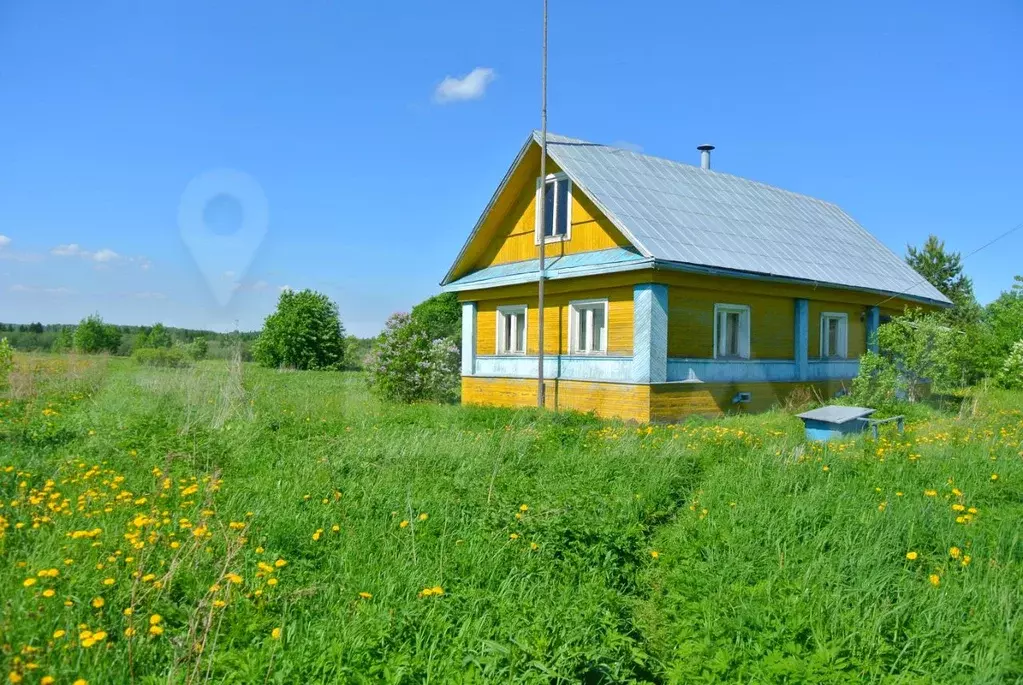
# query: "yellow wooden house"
{"type": "Point", "coordinates": [670, 289]}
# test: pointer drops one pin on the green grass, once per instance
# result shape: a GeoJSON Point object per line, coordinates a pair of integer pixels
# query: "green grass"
{"type": "Point", "coordinates": [567, 548]}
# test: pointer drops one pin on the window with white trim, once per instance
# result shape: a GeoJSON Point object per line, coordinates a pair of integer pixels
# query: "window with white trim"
{"type": "Point", "coordinates": [557, 223]}
{"type": "Point", "coordinates": [731, 331]}
{"type": "Point", "coordinates": [511, 329]}
{"type": "Point", "coordinates": [587, 321]}
{"type": "Point", "coordinates": [834, 335]}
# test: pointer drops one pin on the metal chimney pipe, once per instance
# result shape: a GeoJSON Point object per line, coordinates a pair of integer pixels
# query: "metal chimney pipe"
{"type": "Point", "coordinates": [705, 155]}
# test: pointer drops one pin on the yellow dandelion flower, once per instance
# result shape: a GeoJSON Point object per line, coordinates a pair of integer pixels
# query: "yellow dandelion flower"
{"type": "Point", "coordinates": [98, 602]}
{"type": "Point", "coordinates": [994, 476]}
{"type": "Point", "coordinates": [271, 581]}
{"type": "Point", "coordinates": [533, 546]}
{"type": "Point", "coordinates": [958, 507]}
{"type": "Point", "coordinates": [129, 611]}
{"type": "Point", "coordinates": [931, 493]}
{"type": "Point", "coordinates": [280, 563]}
{"type": "Point", "coordinates": [514, 536]}
{"type": "Point", "coordinates": [234, 578]}
{"type": "Point", "coordinates": [523, 507]}
{"type": "Point", "coordinates": [155, 619]}
{"type": "Point", "coordinates": [911, 556]}
{"type": "Point", "coordinates": [57, 634]}
{"type": "Point", "coordinates": [260, 550]}
{"type": "Point", "coordinates": [365, 595]}
{"type": "Point", "coordinates": [29, 582]}
{"type": "Point", "coordinates": [81, 681]}
{"type": "Point", "coordinates": [655, 554]}
{"type": "Point", "coordinates": [48, 592]}
{"type": "Point", "coordinates": [954, 552]}
{"type": "Point", "coordinates": [317, 534]}
{"type": "Point", "coordinates": [935, 579]}
{"type": "Point", "coordinates": [109, 581]}
{"type": "Point", "coordinates": [424, 516]}
{"type": "Point", "coordinates": [156, 630]}
{"type": "Point", "coordinates": [275, 634]}
{"type": "Point", "coordinates": [14, 677]}
{"type": "Point", "coordinates": [335, 528]}
{"type": "Point", "coordinates": [47, 680]}
{"type": "Point", "coordinates": [403, 524]}
{"type": "Point", "coordinates": [129, 631]}
{"type": "Point", "coordinates": [99, 635]}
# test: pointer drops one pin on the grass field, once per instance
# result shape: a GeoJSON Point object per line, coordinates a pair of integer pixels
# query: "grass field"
{"type": "Point", "coordinates": [239, 525]}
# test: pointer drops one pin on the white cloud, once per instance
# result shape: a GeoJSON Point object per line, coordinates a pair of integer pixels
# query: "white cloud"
{"type": "Point", "coordinates": [103, 257]}
{"type": "Point", "coordinates": [4, 241]}
{"type": "Point", "coordinates": [20, 288]}
{"type": "Point", "coordinates": [472, 86]}
{"type": "Point", "coordinates": [285, 287]}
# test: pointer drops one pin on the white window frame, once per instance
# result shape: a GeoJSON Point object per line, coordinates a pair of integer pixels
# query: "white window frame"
{"type": "Point", "coordinates": [538, 232]}
{"type": "Point", "coordinates": [743, 311]}
{"type": "Point", "coordinates": [843, 336]}
{"type": "Point", "coordinates": [575, 309]}
{"type": "Point", "coordinates": [502, 312]}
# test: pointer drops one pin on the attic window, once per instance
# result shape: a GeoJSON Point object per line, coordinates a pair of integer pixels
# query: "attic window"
{"type": "Point", "coordinates": [557, 223]}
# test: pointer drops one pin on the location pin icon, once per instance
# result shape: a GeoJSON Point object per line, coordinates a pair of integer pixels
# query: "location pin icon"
{"type": "Point", "coordinates": [223, 257]}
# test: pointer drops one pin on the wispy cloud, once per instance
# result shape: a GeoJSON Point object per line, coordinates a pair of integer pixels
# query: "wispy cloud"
{"type": "Point", "coordinates": [29, 289]}
{"type": "Point", "coordinates": [4, 241]}
{"type": "Point", "coordinates": [102, 257]}
{"type": "Point", "coordinates": [13, 255]}
{"type": "Point", "coordinates": [472, 86]}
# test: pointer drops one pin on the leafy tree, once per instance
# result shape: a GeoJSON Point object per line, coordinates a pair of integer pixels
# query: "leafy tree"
{"type": "Point", "coordinates": [93, 336]}
{"type": "Point", "coordinates": [440, 317]}
{"type": "Point", "coordinates": [1011, 374]}
{"type": "Point", "coordinates": [198, 348]}
{"type": "Point", "coordinates": [408, 365]}
{"type": "Point", "coordinates": [304, 333]}
{"type": "Point", "coordinates": [1004, 316]}
{"type": "Point", "coordinates": [944, 270]}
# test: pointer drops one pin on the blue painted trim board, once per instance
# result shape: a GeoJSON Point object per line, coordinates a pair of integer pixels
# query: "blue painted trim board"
{"type": "Point", "coordinates": [650, 333]}
{"type": "Point", "coordinates": [802, 339]}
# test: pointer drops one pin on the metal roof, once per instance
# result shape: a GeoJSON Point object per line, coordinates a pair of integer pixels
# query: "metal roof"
{"type": "Point", "coordinates": [836, 414]}
{"type": "Point", "coordinates": [693, 217]}
{"type": "Point", "coordinates": [567, 266]}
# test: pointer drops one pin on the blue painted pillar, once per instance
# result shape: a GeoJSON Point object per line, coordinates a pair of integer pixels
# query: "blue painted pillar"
{"type": "Point", "coordinates": [802, 339]}
{"type": "Point", "coordinates": [873, 321]}
{"type": "Point", "coordinates": [468, 338]}
{"type": "Point", "coordinates": [650, 333]}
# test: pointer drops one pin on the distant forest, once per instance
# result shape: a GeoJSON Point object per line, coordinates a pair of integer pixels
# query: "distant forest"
{"type": "Point", "coordinates": [40, 337]}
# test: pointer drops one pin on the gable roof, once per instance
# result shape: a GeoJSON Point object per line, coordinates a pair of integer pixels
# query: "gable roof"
{"type": "Point", "coordinates": [684, 216]}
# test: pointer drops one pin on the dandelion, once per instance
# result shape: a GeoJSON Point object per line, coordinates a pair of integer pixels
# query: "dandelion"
{"type": "Point", "coordinates": [14, 677]}
{"type": "Point", "coordinates": [29, 582]}
{"type": "Point", "coordinates": [129, 631]}
{"type": "Point", "coordinates": [911, 556]}
{"type": "Point", "coordinates": [954, 552]}
{"type": "Point", "coordinates": [523, 507]}
{"type": "Point", "coordinates": [48, 592]}
{"type": "Point", "coordinates": [335, 528]}
{"type": "Point", "coordinates": [931, 493]}
{"type": "Point", "coordinates": [156, 630]}
{"type": "Point", "coordinates": [234, 578]}
{"type": "Point", "coordinates": [935, 579]}
{"type": "Point", "coordinates": [47, 680]}
{"type": "Point", "coordinates": [155, 619]}
{"type": "Point", "coordinates": [958, 507]}
{"type": "Point", "coordinates": [655, 554]}
{"type": "Point", "coordinates": [129, 611]}
{"type": "Point", "coordinates": [260, 550]}
{"type": "Point", "coordinates": [98, 602]}
{"type": "Point", "coordinates": [57, 634]}
{"type": "Point", "coordinates": [403, 524]}
{"type": "Point", "coordinates": [317, 534]}
{"type": "Point", "coordinates": [434, 591]}
{"type": "Point", "coordinates": [514, 536]}
{"type": "Point", "coordinates": [271, 582]}
{"type": "Point", "coordinates": [424, 516]}
{"type": "Point", "coordinates": [365, 595]}
{"type": "Point", "coordinates": [109, 581]}
{"type": "Point", "coordinates": [81, 681]}
{"type": "Point", "coordinates": [275, 634]}
{"type": "Point", "coordinates": [533, 546]}
{"type": "Point", "coordinates": [994, 476]}
{"type": "Point", "coordinates": [280, 563]}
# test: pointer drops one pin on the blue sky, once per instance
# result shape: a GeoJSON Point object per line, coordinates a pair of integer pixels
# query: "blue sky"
{"type": "Point", "coordinates": [906, 114]}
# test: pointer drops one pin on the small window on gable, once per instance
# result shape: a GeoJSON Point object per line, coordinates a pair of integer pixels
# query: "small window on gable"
{"type": "Point", "coordinates": [511, 329]}
{"type": "Point", "coordinates": [834, 335]}
{"type": "Point", "coordinates": [731, 331]}
{"type": "Point", "coordinates": [588, 325]}
{"type": "Point", "coordinates": [557, 220]}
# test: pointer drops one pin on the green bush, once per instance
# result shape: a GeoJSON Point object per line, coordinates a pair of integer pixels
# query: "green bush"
{"type": "Point", "coordinates": [406, 365]}
{"type": "Point", "coordinates": [304, 333]}
{"type": "Point", "coordinates": [440, 316]}
{"type": "Point", "coordinates": [876, 385]}
{"type": "Point", "coordinates": [171, 357]}
{"type": "Point", "coordinates": [6, 361]}
{"type": "Point", "coordinates": [198, 349]}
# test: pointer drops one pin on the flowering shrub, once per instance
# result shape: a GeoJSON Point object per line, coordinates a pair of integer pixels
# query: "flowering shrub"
{"type": "Point", "coordinates": [407, 366]}
{"type": "Point", "coordinates": [1011, 374]}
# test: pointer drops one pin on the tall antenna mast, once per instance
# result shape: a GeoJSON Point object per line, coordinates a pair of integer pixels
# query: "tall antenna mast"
{"type": "Point", "coordinates": [540, 392]}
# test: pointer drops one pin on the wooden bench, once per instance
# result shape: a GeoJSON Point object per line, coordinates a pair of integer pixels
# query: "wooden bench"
{"type": "Point", "coordinates": [875, 424]}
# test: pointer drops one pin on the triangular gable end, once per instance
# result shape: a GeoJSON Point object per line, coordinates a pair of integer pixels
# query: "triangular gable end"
{"type": "Point", "coordinates": [505, 228]}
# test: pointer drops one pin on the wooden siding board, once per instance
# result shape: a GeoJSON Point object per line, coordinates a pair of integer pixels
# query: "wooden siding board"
{"type": "Point", "coordinates": [691, 323]}
{"type": "Point", "coordinates": [622, 400]}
